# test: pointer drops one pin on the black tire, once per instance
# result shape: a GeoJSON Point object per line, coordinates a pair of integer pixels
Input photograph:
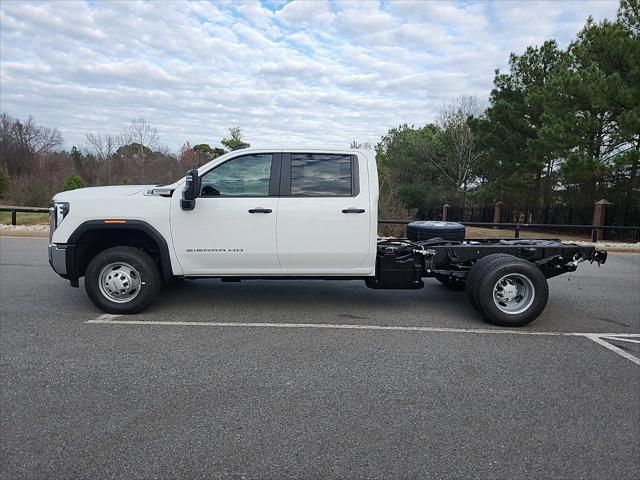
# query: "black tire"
{"type": "Point", "coordinates": [520, 276]}
{"type": "Point", "coordinates": [417, 231]}
{"type": "Point", "coordinates": [452, 283]}
{"type": "Point", "coordinates": [472, 277]}
{"type": "Point", "coordinates": [146, 271]}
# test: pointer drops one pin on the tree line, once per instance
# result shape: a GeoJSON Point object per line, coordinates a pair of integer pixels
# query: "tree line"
{"type": "Point", "coordinates": [560, 127]}
{"type": "Point", "coordinates": [33, 166]}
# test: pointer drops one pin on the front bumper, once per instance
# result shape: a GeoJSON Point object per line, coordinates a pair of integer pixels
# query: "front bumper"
{"type": "Point", "coordinates": [62, 260]}
{"type": "Point", "coordinates": [58, 258]}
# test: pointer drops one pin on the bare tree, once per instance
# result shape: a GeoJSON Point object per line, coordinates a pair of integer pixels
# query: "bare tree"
{"type": "Point", "coordinates": [141, 135]}
{"type": "Point", "coordinates": [7, 140]}
{"type": "Point", "coordinates": [25, 142]}
{"type": "Point", "coordinates": [37, 139]}
{"type": "Point", "coordinates": [103, 147]}
{"type": "Point", "coordinates": [457, 156]}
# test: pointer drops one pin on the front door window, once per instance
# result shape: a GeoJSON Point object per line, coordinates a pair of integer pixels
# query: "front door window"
{"type": "Point", "coordinates": [246, 176]}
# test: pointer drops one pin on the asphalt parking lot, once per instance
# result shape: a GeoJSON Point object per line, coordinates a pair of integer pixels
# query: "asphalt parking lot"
{"type": "Point", "coordinates": [175, 392]}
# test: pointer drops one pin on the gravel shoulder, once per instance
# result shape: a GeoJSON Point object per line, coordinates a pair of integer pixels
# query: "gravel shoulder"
{"type": "Point", "coordinates": [24, 230]}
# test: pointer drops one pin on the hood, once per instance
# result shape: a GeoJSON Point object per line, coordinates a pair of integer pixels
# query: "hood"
{"type": "Point", "coordinates": [99, 192]}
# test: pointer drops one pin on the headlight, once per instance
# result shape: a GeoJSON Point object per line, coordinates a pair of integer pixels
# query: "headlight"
{"type": "Point", "coordinates": [58, 211]}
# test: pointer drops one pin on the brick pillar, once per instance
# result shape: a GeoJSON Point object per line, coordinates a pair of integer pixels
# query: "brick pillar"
{"type": "Point", "coordinates": [497, 213]}
{"type": "Point", "coordinates": [599, 215]}
{"type": "Point", "coordinates": [445, 212]}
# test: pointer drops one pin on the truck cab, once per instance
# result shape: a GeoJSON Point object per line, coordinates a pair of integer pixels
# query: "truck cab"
{"type": "Point", "coordinates": [287, 212]}
{"type": "Point", "coordinates": [256, 212]}
{"type": "Point", "coordinates": [273, 213]}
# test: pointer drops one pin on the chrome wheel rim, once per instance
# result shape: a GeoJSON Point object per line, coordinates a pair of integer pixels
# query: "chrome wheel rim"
{"type": "Point", "coordinates": [119, 282]}
{"type": "Point", "coordinates": [513, 293]}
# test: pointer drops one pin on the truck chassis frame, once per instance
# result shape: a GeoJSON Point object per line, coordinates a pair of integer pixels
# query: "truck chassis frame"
{"type": "Point", "coordinates": [402, 263]}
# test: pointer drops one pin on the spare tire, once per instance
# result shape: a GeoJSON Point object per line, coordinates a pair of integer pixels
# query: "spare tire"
{"type": "Point", "coordinates": [428, 230]}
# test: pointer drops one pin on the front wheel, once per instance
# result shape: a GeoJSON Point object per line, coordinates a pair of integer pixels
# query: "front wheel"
{"type": "Point", "coordinates": [508, 291]}
{"type": "Point", "coordinates": [122, 280]}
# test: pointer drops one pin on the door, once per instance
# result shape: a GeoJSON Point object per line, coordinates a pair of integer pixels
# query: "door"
{"type": "Point", "coordinates": [323, 215]}
{"type": "Point", "coordinates": [232, 229]}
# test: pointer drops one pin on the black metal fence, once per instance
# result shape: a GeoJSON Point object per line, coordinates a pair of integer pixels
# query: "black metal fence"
{"type": "Point", "coordinates": [623, 217]}
{"type": "Point", "coordinates": [15, 210]}
{"type": "Point", "coordinates": [566, 219]}
{"type": "Point", "coordinates": [458, 214]}
{"type": "Point", "coordinates": [519, 227]}
{"type": "Point", "coordinates": [552, 215]}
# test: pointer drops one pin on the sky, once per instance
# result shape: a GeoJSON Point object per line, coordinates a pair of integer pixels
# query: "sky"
{"type": "Point", "coordinates": [309, 73]}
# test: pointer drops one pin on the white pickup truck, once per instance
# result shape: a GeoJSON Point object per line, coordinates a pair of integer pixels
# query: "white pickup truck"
{"type": "Point", "coordinates": [294, 213]}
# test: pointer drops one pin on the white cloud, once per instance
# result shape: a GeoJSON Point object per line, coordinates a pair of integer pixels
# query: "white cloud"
{"type": "Point", "coordinates": [363, 18]}
{"type": "Point", "coordinates": [254, 13]}
{"type": "Point", "coordinates": [315, 72]}
{"type": "Point", "coordinates": [306, 14]}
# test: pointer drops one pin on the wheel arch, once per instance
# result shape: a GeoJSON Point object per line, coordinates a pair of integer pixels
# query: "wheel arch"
{"type": "Point", "coordinates": [94, 236]}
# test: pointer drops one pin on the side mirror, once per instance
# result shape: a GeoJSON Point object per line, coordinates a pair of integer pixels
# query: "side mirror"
{"type": "Point", "coordinates": [191, 190]}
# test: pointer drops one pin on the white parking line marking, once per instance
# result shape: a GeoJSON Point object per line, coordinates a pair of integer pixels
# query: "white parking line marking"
{"type": "Point", "coordinates": [104, 318]}
{"type": "Point", "coordinates": [618, 338]}
{"type": "Point", "coordinates": [597, 338]}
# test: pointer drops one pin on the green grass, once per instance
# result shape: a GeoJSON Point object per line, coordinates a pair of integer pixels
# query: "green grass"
{"type": "Point", "coordinates": [25, 218]}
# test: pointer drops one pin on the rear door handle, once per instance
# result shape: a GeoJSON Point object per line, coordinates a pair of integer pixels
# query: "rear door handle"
{"type": "Point", "coordinates": [260, 210]}
{"type": "Point", "coordinates": [353, 210]}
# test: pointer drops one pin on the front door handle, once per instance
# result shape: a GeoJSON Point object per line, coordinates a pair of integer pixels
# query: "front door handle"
{"type": "Point", "coordinates": [353, 210]}
{"type": "Point", "coordinates": [260, 210]}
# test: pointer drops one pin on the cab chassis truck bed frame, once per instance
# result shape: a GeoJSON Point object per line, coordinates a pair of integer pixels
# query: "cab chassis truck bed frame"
{"type": "Point", "coordinates": [505, 279]}
{"type": "Point", "coordinates": [456, 258]}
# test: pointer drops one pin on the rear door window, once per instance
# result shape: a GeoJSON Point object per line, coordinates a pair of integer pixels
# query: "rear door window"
{"type": "Point", "coordinates": [322, 175]}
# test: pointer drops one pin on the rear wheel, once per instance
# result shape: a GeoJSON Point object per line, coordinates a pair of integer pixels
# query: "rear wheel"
{"type": "Point", "coordinates": [472, 277]}
{"type": "Point", "coordinates": [122, 280]}
{"type": "Point", "coordinates": [508, 291]}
